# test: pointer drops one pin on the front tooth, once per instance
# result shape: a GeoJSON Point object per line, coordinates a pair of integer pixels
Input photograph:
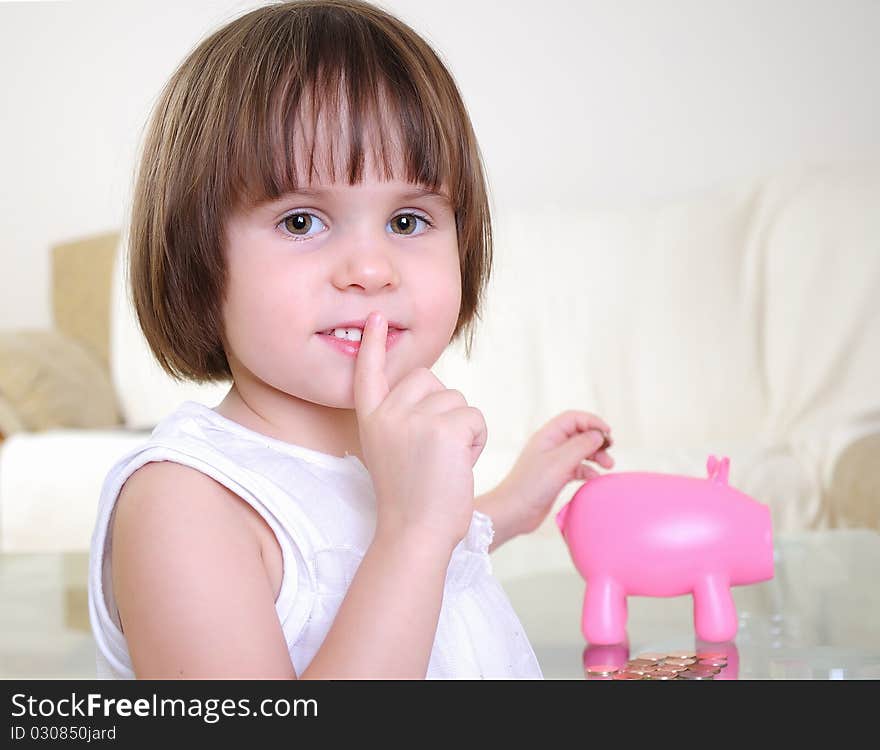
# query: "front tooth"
{"type": "Point", "coordinates": [350, 334]}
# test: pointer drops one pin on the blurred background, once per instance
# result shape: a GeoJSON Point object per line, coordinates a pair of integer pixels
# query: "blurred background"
{"type": "Point", "coordinates": [576, 104]}
{"type": "Point", "coordinates": [686, 201]}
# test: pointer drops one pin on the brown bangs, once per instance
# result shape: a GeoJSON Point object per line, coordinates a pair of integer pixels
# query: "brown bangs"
{"type": "Point", "coordinates": [358, 80]}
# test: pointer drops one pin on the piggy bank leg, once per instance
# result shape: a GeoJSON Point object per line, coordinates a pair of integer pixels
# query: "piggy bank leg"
{"type": "Point", "coordinates": [714, 611]}
{"type": "Point", "coordinates": [604, 617]}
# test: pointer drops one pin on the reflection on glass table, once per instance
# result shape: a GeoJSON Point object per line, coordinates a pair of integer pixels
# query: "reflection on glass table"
{"type": "Point", "coordinates": [818, 618]}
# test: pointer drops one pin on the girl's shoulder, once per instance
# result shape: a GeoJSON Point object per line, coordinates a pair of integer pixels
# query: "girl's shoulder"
{"type": "Point", "coordinates": [163, 498]}
{"type": "Point", "coordinates": [182, 490]}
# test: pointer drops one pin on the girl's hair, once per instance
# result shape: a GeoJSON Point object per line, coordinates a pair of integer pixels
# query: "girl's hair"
{"type": "Point", "coordinates": [221, 136]}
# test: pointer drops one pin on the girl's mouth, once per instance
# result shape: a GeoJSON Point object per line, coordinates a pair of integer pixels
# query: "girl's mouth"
{"type": "Point", "coordinates": [351, 348]}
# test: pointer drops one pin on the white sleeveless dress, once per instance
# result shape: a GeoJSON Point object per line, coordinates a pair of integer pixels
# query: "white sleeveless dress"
{"type": "Point", "coordinates": [322, 509]}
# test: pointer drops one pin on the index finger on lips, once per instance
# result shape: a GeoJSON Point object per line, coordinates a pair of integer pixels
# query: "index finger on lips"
{"type": "Point", "coordinates": [370, 383]}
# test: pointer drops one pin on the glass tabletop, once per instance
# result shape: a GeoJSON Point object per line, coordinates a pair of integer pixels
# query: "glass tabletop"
{"type": "Point", "coordinates": [817, 618]}
{"type": "Point", "coordinates": [44, 618]}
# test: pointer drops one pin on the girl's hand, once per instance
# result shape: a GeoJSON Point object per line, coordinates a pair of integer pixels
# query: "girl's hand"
{"type": "Point", "coordinates": [420, 442]}
{"type": "Point", "coordinates": [554, 456]}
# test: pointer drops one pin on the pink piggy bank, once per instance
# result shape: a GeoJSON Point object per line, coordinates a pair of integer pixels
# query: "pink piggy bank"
{"type": "Point", "coordinates": [651, 534]}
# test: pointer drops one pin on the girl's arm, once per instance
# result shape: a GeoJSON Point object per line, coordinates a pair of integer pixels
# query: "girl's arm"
{"type": "Point", "coordinates": [495, 505]}
{"type": "Point", "coordinates": [189, 580]}
{"type": "Point", "coordinates": [196, 602]}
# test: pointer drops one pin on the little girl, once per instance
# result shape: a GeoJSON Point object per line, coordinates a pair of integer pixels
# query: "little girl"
{"type": "Point", "coordinates": [311, 223]}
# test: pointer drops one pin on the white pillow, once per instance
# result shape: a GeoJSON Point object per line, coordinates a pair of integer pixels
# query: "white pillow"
{"type": "Point", "coordinates": [146, 392]}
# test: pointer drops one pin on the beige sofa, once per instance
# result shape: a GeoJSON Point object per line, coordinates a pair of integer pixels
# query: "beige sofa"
{"type": "Point", "coordinates": [742, 320]}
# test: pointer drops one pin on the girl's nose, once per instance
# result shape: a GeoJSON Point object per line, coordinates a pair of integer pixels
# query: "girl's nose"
{"type": "Point", "coordinates": [371, 269]}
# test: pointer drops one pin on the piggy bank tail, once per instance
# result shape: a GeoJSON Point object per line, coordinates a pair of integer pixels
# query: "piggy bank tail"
{"type": "Point", "coordinates": [560, 517]}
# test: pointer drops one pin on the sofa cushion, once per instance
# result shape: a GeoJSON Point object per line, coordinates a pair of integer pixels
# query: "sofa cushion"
{"type": "Point", "coordinates": [854, 499]}
{"type": "Point", "coordinates": [81, 273]}
{"type": "Point", "coordinates": [10, 421]}
{"type": "Point", "coordinates": [48, 379]}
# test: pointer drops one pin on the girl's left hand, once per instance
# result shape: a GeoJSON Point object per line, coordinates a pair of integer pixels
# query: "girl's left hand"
{"type": "Point", "coordinates": [554, 456]}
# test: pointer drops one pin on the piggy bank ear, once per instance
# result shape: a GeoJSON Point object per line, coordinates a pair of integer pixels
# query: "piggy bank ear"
{"type": "Point", "coordinates": [724, 470]}
{"type": "Point", "coordinates": [711, 465]}
{"type": "Point", "coordinates": [718, 470]}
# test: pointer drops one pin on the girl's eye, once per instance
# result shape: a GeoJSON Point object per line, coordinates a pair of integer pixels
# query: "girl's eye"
{"type": "Point", "coordinates": [411, 219]}
{"type": "Point", "coordinates": [298, 224]}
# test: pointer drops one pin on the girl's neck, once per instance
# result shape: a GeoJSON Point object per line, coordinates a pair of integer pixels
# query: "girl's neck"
{"type": "Point", "coordinates": [292, 420]}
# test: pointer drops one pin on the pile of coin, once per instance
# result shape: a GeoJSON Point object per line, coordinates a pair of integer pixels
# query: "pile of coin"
{"type": "Point", "coordinates": [678, 665]}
